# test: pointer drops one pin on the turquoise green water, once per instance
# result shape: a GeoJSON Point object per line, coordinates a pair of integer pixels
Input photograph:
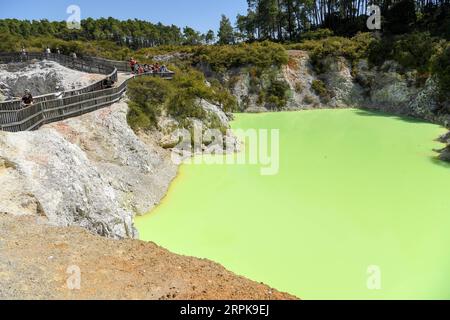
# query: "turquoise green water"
{"type": "Point", "coordinates": [354, 190]}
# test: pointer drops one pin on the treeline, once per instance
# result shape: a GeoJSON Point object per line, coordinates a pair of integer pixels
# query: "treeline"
{"type": "Point", "coordinates": [276, 20]}
{"type": "Point", "coordinates": [135, 34]}
{"type": "Point", "coordinates": [282, 20]}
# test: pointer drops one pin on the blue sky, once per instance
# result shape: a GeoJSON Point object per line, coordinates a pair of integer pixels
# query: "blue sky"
{"type": "Point", "coordinates": [202, 15]}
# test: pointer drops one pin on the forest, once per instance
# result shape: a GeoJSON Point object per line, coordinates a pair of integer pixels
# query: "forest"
{"type": "Point", "coordinates": [290, 20]}
{"type": "Point", "coordinates": [275, 20]}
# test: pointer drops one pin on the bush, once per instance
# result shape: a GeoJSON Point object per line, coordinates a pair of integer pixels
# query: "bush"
{"type": "Point", "coordinates": [352, 49]}
{"type": "Point", "coordinates": [299, 87]}
{"type": "Point", "coordinates": [147, 98]}
{"type": "Point", "coordinates": [320, 89]}
{"type": "Point", "coordinates": [136, 117]}
{"type": "Point", "coordinates": [277, 93]}
{"type": "Point", "coordinates": [150, 97]}
{"type": "Point", "coordinates": [317, 34]}
{"type": "Point", "coordinates": [262, 55]}
{"type": "Point", "coordinates": [105, 49]}
{"type": "Point", "coordinates": [441, 68]}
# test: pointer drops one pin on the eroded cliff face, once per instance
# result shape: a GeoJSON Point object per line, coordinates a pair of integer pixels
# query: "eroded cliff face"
{"type": "Point", "coordinates": [387, 88]}
{"type": "Point", "coordinates": [91, 171]}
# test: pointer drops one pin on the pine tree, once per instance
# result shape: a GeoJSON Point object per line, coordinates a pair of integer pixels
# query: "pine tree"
{"type": "Point", "coordinates": [226, 31]}
{"type": "Point", "coordinates": [210, 37]}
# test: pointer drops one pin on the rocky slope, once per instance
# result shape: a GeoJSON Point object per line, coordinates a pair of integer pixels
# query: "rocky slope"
{"type": "Point", "coordinates": [40, 78]}
{"type": "Point", "coordinates": [387, 88]}
{"type": "Point", "coordinates": [91, 171]}
{"type": "Point", "coordinates": [37, 261]}
{"type": "Point", "coordinates": [444, 154]}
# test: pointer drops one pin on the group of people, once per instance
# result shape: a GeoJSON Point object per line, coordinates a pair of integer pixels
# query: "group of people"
{"type": "Point", "coordinates": [137, 68]}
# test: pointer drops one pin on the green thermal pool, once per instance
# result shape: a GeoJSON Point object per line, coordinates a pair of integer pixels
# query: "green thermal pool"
{"type": "Point", "coordinates": [359, 204]}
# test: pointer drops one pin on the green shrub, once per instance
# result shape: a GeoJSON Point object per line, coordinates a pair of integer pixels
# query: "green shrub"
{"type": "Point", "coordinates": [150, 97]}
{"type": "Point", "coordinates": [298, 87]}
{"type": "Point", "coordinates": [317, 34]}
{"type": "Point", "coordinates": [9, 43]}
{"type": "Point", "coordinates": [136, 117]}
{"type": "Point", "coordinates": [441, 68]}
{"type": "Point", "coordinates": [147, 98]}
{"type": "Point", "coordinates": [104, 48]}
{"type": "Point", "coordinates": [320, 89]}
{"type": "Point", "coordinates": [261, 55]}
{"type": "Point", "coordinates": [352, 49]}
{"type": "Point", "coordinates": [277, 93]}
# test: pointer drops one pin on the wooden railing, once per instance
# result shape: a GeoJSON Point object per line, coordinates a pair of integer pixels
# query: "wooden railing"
{"type": "Point", "coordinates": [15, 117]}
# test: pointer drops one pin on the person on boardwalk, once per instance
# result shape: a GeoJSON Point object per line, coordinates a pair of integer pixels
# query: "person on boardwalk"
{"type": "Point", "coordinates": [59, 92]}
{"type": "Point", "coordinates": [136, 68]}
{"type": "Point", "coordinates": [108, 83]}
{"type": "Point", "coordinates": [133, 64]}
{"type": "Point", "coordinates": [23, 54]}
{"type": "Point", "coordinates": [27, 98]}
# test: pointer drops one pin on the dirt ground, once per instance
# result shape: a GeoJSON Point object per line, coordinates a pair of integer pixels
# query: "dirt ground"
{"type": "Point", "coordinates": [38, 261]}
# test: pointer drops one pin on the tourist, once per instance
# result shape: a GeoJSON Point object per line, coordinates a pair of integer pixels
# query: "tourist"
{"type": "Point", "coordinates": [108, 83]}
{"type": "Point", "coordinates": [74, 55]}
{"type": "Point", "coordinates": [141, 70]}
{"type": "Point", "coordinates": [136, 68]}
{"type": "Point", "coordinates": [47, 52]}
{"type": "Point", "coordinates": [27, 98]}
{"type": "Point", "coordinates": [164, 69]}
{"type": "Point", "coordinates": [59, 92]}
{"type": "Point", "coordinates": [132, 65]}
{"type": "Point", "coordinates": [24, 54]}
{"type": "Point", "coordinates": [58, 51]}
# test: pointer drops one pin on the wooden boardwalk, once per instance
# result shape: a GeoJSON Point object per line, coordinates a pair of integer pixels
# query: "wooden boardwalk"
{"type": "Point", "coordinates": [15, 117]}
